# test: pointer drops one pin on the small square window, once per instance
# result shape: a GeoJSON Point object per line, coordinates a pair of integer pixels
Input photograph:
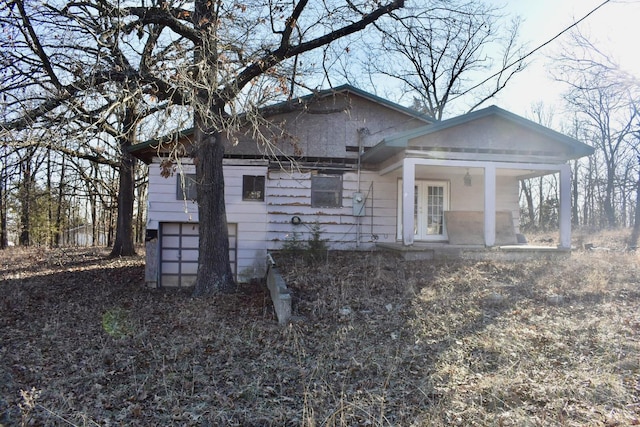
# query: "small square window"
{"type": "Point", "coordinates": [253, 188]}
{"type": "Point", "coordinates": [186, 188]}
{"type": "Point", "coordinates": [326, 191]}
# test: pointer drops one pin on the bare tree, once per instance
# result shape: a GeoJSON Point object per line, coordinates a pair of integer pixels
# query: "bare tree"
{"type": "Point", "coordinates": [635, 233]}
{"type": "Point", "coordinates": [240, 52]}
{"type": "Point", "coordinates": [444, 51]}
{"type": "Point", "coordinates": [603, 96]}
{"type": "Point", "coordinates": [69, 66]}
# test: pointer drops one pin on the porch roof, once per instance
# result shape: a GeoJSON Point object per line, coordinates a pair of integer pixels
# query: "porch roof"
{"type": "Point", "coordinates": [475, 133]}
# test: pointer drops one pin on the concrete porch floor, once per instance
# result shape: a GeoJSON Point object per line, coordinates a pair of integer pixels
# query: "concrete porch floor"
{"type": "Point", "coordinates": [443, 250]}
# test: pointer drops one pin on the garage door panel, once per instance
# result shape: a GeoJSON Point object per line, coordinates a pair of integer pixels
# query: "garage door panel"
{"type": "Point", "coordinates": [190, 229]}
{"type": "Point", "coordinates": [171, 228]}
{"type": "Point", "coordinates": [190, 255]}
{"type": "Point", "coordinates": [169, 241]}
{"type": "Point", "coordinates": [179, 253]}
{"type": "Point", "coordinates": [170, 280]}
{"type": "Point", "coordinates": [190, 268]}
{"type": "Point", "coordinates": [170, 267]}
{"type": "Point", "coordinates": [190, 242]}
{"type": "Point", "coordinates": [170, 254]}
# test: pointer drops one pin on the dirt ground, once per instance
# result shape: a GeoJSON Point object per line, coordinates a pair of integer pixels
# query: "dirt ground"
{"type": "Point", "coordinates": [376, 341]}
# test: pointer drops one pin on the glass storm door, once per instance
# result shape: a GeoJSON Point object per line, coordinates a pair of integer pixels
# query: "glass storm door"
{"type": "Point", "coordinates": [431, 200]}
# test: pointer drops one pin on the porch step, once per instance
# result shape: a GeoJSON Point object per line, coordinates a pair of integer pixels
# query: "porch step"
{"type": "Point", "coordinates": [409, 253]}
{"type": "Point", "coordinates": [430, 251]}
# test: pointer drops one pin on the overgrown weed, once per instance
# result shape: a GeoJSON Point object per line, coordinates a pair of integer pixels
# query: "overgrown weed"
{"type": "Point", "coordinates": [376, 341]}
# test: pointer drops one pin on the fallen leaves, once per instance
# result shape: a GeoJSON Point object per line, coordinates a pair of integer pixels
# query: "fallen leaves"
{"type": "Point", "coordinates": [376, 341]}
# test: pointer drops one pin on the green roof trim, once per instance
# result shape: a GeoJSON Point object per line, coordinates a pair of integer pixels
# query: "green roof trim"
{"type": "Point", "coordinates": [400, 141]}
{"type": "Point", "coordinates": [363, 94]}
{"type": "Point", "coordinates": [153, 143]}
{"type": "Point", "coordinates": [346, 88]}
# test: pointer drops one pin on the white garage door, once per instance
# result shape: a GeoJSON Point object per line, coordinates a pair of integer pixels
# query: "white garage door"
{"type": "Point", "coordinates": [179, 253]}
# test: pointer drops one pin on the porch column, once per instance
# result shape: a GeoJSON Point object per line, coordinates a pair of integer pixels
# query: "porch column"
{"type": "Point", "coordinates": [489, 205]}
{"type": "Point", "coordinates": [565, 206]}
{"type": "Point", "coordinates": [408, 200]}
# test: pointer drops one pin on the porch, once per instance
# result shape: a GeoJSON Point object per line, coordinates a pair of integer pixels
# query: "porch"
{"type": "Point", "coordinates": [470, 167]}
{"type": "Point", "coordinates": [445, 251]}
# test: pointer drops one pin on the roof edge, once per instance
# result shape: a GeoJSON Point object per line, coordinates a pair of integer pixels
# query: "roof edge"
{"type": "Point", "coordinates": [276, 108]}
{"type": "Point", "coordinates": [402, 139]}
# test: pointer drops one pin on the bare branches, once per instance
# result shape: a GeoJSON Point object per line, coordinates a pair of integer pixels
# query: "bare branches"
{"type": "Point", "coordinates": [437, 52]}
{"type": "Point", "coordinates": [606, 100]}
{"type": "Point", "coordinates": [286, 50]}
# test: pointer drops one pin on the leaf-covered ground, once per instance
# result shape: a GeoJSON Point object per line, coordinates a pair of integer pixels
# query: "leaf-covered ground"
{"type": "Point", "coordinates": [376, 341]}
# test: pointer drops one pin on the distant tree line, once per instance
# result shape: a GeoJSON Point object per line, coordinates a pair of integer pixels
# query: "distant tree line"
{"type": "Point", "coordinates": [604, 102]}
{"type": "Point", "coordinates": [51, 199]}
{"type": "Point", "coordinates": [84, 81]}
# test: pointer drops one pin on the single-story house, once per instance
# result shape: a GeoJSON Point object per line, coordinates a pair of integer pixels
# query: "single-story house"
{"type": "Point", "coordinates": [368, 172]}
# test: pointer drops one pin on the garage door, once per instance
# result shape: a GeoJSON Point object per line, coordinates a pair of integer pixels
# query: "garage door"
{"type": "Point", "coordinates": [179, 253]}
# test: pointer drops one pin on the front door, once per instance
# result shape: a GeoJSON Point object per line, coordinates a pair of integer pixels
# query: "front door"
{"type": "Point", "coordinates": [431, 200]}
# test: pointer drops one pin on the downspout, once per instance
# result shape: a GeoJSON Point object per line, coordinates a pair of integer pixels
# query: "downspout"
{"type": "Point", "coordinates": [361, 133]}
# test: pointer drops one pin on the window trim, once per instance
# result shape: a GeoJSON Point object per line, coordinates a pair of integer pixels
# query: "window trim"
{"type": "Point", "coordinates": [190, 190]}
{"type": "Point", "coordinates": [254, 179]}
{"type": "Point", "coordinates": [337, 191]}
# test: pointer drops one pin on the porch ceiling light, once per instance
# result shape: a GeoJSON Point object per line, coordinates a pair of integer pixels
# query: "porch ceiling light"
{"type": "Point", "coordinates": [467, 179]}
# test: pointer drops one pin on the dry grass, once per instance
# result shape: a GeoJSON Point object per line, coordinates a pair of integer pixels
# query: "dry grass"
{"type": "Point", "coordinates": [377, 341]}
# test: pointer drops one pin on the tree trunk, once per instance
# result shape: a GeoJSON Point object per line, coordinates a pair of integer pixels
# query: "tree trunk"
{"type": "Point", "coordinates": [25, 203]}
{"type": "Point", "coordinates": [531, 213]}
{"type": "Point", "coordinates": [3, 214]}
{"type": "Point", "coordinates": [635, 234]}
{"type": "Point", "coordinates": [4, 239]}
{"type": "Point", "coordinates": [140, 217]}
{"type": "Point", "coordinates": [58, 225]}
{"type": "Point", "coordinates": [541, 224]}
{"type": "Point", "coordinates": [214, 267]}
{"type": "Point", "coordinates": [49, 201]}
{"type": "Point", "coordinates": [609, 210]}
{"type": "Point", "coordinates": [123, 244]}
{"type": "Point", "coordinates": [575, 195]}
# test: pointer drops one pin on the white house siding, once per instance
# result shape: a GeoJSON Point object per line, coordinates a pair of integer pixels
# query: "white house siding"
{"type": "Point", "coordinates": [507, 198]}
{"type": "Point", "coordinates": [329, 126]}
{"type": "Point", "coordinates": [465, 198]}
{"type": "Point", "coordinates": [470, 198]}
{"type": "Point", "coordinates": [289, 195]}
{"type": "Point", "coordinates": [250, 216]}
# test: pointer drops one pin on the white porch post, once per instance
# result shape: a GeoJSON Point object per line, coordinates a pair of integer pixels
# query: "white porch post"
{"type": "Point", "coordinates": [489, 205]}
{"type": "Point", "coordinates": [408, 200]}
{"type": "Point", "coordinates": [565, 206]}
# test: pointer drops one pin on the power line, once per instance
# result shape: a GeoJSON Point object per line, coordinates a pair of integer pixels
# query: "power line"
{"type": "Point", "coordinates": [522, 58]}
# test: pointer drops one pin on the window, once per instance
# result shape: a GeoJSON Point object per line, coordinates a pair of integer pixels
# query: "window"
{"type": "Point", "coordinates": [253, 187]}
{"type": "Point", "coordinates": [186, 187]}
{"type": "Point", "coordinates": [326, 191]}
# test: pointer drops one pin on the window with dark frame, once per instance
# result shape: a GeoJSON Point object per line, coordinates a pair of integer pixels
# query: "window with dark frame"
{"type": "Point", "coordinates": [186, 187]}
{"type": "Point", "coordinates": [326, 190]}
{"type": "Point", "coordinates": [253, 187]}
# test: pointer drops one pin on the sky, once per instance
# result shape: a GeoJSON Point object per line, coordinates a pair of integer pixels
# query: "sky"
{"type": "Point", "coordinates": [614, 29]}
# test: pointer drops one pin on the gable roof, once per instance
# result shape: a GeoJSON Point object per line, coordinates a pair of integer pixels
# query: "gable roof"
{"type": "Point", "coordinates": [347, 88]}
{"type": "Point", "coordinates": [147, 149]}
{"type": "Point", "coordinates": [389, 147]}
